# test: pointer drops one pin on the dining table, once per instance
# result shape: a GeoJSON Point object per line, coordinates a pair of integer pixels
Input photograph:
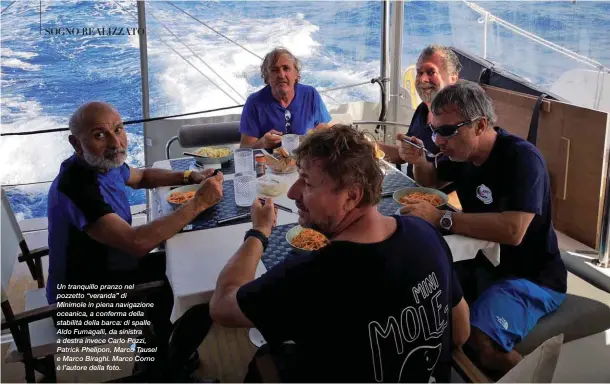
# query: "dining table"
{"type": "Point", "coordinates": [196, 255]}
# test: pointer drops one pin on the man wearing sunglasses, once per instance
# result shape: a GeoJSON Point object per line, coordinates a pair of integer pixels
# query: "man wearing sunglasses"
{"type": "Point", "coordinates": [437, 67]}
{"type": "Point", "coordinates": [504, 189]}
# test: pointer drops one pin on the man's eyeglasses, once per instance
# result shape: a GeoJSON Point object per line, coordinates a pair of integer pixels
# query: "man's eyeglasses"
{"type": "Point", "coordinates": [447, 131]}
{"type": "Point", "coordinates": [288, 116]}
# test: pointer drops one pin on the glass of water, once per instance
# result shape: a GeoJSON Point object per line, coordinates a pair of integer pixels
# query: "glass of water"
{"type": "Point", "coordinates": [244, 159]}
{"type": "Point", "coordinates": [244, 187]}
{"type": "Point", "coordinates": [290, 142]}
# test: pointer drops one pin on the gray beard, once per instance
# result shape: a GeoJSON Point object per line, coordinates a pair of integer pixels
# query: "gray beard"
{"type": "Point", "coordinates": [426, 95]}
{"type": "Point", "coordinates": [102, 162]}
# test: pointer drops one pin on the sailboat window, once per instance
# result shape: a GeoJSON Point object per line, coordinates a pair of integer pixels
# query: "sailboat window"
{"type": "Point", "coordinates": [558, 46]}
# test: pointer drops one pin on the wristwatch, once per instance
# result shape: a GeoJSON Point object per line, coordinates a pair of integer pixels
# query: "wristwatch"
{"type": "Point", "coordinates": [259, 235]}
{"type": "Point", "coordinates": [185, 177]}
{"type": "Point", "coordinates": [446, 221]}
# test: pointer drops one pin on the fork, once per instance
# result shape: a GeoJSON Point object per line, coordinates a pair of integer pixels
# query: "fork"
{"type": "Point", "coordinates": [428, 153]}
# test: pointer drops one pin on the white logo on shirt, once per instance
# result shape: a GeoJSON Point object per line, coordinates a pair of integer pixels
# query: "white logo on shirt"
{"type": "Point", "coordinates": [484, 194]}
{"type": "Point", "coordinates": [502, 322]}
{"type": "Point", "coordinates": [415, 324]}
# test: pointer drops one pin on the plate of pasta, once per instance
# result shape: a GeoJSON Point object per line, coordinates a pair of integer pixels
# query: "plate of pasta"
{"type": "Point", "coordinates": [431, 195]}
{"type": "Point", "coordinates": [214, 155]}
{"type": "Point", "coordinates": [179, 196]}
{"type": "Point", "coordinates": [305, 240]}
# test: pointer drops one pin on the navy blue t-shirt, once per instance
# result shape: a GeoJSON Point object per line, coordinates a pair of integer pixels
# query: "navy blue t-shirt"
{"type": "Point", "coordinates": [362, 312]}
{"type": "Point", "coordinates": [419, 128]}
{"type": "Point", "coordinates": [513, 178]}
{"type": "Point", "coordinates": [79, 196]}
{"type": "Point", "coordinates": [262, 112]}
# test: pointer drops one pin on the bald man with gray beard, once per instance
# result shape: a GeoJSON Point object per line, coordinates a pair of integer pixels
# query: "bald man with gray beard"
{"type": "Point", "coordinates": [91, 239]}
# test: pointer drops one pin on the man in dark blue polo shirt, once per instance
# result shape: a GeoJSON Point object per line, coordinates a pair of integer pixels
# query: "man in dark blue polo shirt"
{"type": "Point", "coordinates": [504, 189]}
{"type": "Point", "coordinates": [91, 240]}
{"type": "Point", "coordinates": [437, 67]}
{"type": "Point", "coordinates": [364, 308]}
{"type": "Point", "coordinates": [283, 106]}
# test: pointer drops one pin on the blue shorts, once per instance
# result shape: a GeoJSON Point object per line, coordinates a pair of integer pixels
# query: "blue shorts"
{"type": "Point", "coordinates": [509, 309]}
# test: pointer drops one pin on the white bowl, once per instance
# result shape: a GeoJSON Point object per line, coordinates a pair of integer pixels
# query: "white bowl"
{"type": "Point", "coordinates": [213, 160]}
{"type": "Point", "coordinates": [268, 185]}
{"type": "Point", "coordinates": [186, 188]}
{"type": "Point", "coordinates": [405, 191]}
{"type": "Point", "coordinates": [292, 232]}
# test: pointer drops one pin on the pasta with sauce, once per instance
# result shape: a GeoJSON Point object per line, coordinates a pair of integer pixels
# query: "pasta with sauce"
{"type": "Point", "coordinates": [435, 200]}
{"type": "Point", "coordinates": [310, 240]}
{"type": "Point", "coordinates": [181, 197]}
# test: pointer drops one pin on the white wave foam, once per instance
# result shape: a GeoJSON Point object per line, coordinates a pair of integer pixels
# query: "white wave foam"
{"type": "Point", "coordinates": [135, 154]}
{"type": "Point", "coordinates": [16, 63]}
{"type": "Point", "coordinates": [189, 91]}
{"type": "Point", "coordinates": [33, 158]}
{"type": "Point", "coordinates": [37, 158]}
{"type": "Point", "coordinates": [17, 108]}
{"type": "Point", "coordinates": [22, 55]}
{"type": "Point", "coordinates": [30, 158]}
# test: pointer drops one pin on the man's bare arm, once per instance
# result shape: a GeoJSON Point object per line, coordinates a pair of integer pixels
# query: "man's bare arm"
{"type": "Point", "coordinates": [504, 228]}
{"type": "Point", "coordinates": [271, 139]}
{"type": "Point", "coordinates": [249, 141]}
{"type": "Point", "coordinates": [112, 230]}
{"type": "Point", "coordinates": [238, 271]}
{"type": "Point", "coordinates": [460, 317]}
{"type": "Point", "coordinates": [391, 152]}
{"type": "Point", "coordinates": [424, 174]}
{"type": "Point", "coordinates": [241, 269]}
{"type": "Point", "coordinates": [153, 178]}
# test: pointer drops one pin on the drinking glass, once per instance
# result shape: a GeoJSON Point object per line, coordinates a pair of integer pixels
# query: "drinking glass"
{"type": "Point", "coordinates": [290, 142]}
{"type": "Point", "coordinates": [244, 187]}
{"type": "Point", "coordinates": [244, 159]}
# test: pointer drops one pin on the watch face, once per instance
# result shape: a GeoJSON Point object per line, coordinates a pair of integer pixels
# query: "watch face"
{"type": "Point", "coordinates": [445, 223]}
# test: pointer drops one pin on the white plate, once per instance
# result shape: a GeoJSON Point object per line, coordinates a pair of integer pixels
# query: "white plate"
{"type": "Point", "coordinates": [405, 191]}
{"type": "Point", "coordinates": [186, 188]}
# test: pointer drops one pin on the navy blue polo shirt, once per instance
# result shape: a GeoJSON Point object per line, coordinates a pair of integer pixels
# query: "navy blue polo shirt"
{"type": "Point", "coordinates": [419, 128]}
{"type": "Point", "coordinates": [378, 312]}
{"type": "Point", "coordinates": [513, 178]}
{"type": "Point", "coordinates": [262, 112]}
{"type": "Point", "coordinates": [79, 196]}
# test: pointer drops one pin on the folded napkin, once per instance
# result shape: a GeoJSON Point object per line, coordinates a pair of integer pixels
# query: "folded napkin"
{"type": "Point", "coordinates": [466, 248]}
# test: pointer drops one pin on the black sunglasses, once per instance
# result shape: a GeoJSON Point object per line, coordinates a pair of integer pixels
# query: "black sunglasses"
{"type": "Point", "coordinates": [447, 131]}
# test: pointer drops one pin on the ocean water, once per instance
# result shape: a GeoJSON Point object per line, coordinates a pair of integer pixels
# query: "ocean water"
{"type": "Point", "coordinates": [45, 77]}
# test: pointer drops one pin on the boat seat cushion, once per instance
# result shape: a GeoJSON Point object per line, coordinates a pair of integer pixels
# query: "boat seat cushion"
{"type": "Point", "coordinates": [538, 366]}
{"type": "Point", "coordinates": [585, 360]}
{"type": "Point", "coordinates": [584, 312]}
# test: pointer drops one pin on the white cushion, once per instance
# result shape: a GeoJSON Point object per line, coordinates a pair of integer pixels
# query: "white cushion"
{"type": "Point", "coordinates": [538, 366]}
{"type": "Point", "coordinates": [585, 360]}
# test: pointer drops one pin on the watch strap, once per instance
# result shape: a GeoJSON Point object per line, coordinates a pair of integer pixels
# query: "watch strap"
{"type": "Point", "coordinates": [259, 235]}
{"type": "Point", "coordinates": [447, 216]}
{"type": "Point", "coordinates": [185, 176]}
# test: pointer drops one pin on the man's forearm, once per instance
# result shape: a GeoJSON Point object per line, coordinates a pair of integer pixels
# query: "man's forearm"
{"type": "Point", "coordinates": [241, 268]}
{"type": "Point", "coordinates": [149, 236]}
{"type": "Point", "coordinates": [391, 153]}
{"type": "Point", "coordinates": [155, 177]}
{"type": "Point", "coordinates": [485, 226]}
{"type": "Point", "coordinates": [425, 174]}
